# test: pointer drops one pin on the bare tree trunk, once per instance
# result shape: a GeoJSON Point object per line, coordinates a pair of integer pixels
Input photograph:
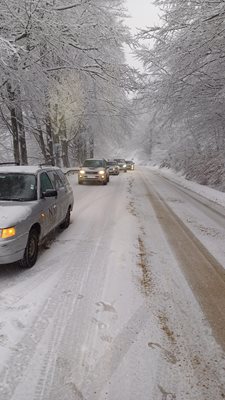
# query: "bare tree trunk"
{"type": "Point", "coordinates": [50, 142]}
{"type": "Point", "coordinates": [81, 149]}
{"type": "Point", "coordinates": [65, 153]}
{"type": "Point", "coordinates": [22, 137]}
{"type": "Point", "coordinates": [64, 143]}
{"type": "Point", "coordinates": [16, 149]}
{"type": "Point", "coordinates": [39, 136]}
{"type": "Point", "coordinates": [91, 144]}
{"type": "Point", "coordinates": [40, 139]}
{"type": "Point", "coordinates": [56, 149]}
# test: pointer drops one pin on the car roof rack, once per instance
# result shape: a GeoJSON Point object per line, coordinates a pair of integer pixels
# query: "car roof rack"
{"type": "Point", "coordinates": [9, 163]}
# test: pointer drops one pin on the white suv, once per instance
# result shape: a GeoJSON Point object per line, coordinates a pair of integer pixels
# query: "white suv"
{"type": "Point", "coordinates": [94, 170]}
{"type": "Point", "coordinates": [33, 201]}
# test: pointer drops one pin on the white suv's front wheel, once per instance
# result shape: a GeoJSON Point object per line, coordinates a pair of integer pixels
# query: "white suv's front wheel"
{"type": "Point", "coordinates": [31, 250]}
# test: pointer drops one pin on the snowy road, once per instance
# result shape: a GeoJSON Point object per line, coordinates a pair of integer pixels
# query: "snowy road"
{"type": "Point", "coordinates": [128, 303]}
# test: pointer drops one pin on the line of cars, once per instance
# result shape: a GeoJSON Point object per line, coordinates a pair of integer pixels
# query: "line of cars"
{"type": "Point", "coordinates": [34, 200]}
{"type": "Point", "coordinates": [99, 170]}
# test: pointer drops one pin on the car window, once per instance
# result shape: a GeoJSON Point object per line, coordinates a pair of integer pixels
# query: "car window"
{"type": "Point", "coordinates": [119, 160]}
{"type": "Point", "coordinates": [56, 180]}
{"type": "Point", "coordinates": [93, 163]}
{"type": "Point", "coordinates": [45, 182]}
{"type": "Point", "coordinates": [62, 177]}
{"type": "Point", "coordinates": [18, 187]}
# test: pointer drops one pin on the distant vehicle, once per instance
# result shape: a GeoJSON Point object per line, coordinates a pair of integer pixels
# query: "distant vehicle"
{"type": "Point", "coordinates": [94, 170]}
{"type": "Point", "coordinates": [122, 164]}
{"type": "Point", "coordinates": [130, 165]}
{"type": "Point", "coordinates": [113, 167]}
{"type": "Point", "coordinates": [33, 201]}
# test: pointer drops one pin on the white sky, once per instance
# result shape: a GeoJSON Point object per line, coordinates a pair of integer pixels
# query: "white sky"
{"type": "Point", "coordinates": [143, 13]}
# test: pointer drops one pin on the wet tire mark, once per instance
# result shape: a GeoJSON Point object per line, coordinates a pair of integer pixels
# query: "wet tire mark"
{"type": "Point", "coordinates": [204, 274]}
{"type": "Point", "coordinates": [169, 356]}
{"type": "Point", "coordinates": [164, 323]}
{"type": "Point", "coordinates": [146, 279]}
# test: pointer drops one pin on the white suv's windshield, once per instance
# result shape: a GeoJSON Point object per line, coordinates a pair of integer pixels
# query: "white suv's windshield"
{"type": "Point", "coordinates": [111, 163]}
{"type": "Point", "coordinates": [17, 187]}
{"type": "Point", "coordinates": [93, 163]}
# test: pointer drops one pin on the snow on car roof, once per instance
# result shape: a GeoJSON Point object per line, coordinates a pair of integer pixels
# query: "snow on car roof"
{"type": "Point", "coordinates": [24, 169]}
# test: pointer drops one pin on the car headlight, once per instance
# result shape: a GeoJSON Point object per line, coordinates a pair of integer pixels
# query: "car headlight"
{"type": "Point", "coordinates": [7, 232]}
{"type": "Point", "coordinates": [82, 172]}
{"type": "Point", "coordinates": [101, 172]}
{"type": "Point", "coordinates": [124, 165]}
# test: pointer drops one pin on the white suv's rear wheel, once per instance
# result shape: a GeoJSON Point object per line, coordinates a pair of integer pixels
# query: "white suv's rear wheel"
{"type": "Point", "coordinates": [66, 222]}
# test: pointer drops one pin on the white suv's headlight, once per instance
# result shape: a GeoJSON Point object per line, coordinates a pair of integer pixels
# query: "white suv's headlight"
{"type": "Point", "coordinates": [101, 172]}
{"type": "Point", "coordinates": [82, 172]}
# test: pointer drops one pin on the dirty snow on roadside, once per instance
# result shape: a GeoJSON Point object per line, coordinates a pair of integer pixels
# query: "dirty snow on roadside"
{"type": "Point", "coordinates": [108, 312]}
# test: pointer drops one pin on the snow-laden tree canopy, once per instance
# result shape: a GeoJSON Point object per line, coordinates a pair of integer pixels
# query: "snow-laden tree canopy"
{"type": "Point", "coordinates": [63, 77]}
{"type": "Point", "coordinates": [184, 60]}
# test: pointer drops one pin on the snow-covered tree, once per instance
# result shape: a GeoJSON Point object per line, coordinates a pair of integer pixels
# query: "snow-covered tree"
{"type": "Point", "coordinates": [185, 80]}
{"type": "Point", "coordinates": [63, 74]}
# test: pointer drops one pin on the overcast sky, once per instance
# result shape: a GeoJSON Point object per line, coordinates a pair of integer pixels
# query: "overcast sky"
{"type": "Point", "coordinates": [143, 13]}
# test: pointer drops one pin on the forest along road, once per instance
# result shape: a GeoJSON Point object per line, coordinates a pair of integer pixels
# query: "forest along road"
{"type": "Point", "coordinates": [127, 303]}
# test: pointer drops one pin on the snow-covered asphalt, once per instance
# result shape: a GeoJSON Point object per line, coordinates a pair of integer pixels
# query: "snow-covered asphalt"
{"type": "Point", "coordinates": [127, 303]}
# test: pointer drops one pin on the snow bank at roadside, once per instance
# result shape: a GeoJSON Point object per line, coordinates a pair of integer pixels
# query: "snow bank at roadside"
{"type": "Point", "coordinates": [205, 191]}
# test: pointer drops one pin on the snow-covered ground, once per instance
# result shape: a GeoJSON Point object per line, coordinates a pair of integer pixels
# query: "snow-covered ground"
{"type": "Point", "coordinates": [127, 303]}
{"type": "Point", "coordinates": [205, 191]}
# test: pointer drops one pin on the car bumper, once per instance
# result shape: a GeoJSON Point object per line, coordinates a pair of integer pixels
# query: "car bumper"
{"type": "Point", "coordinates": [97, 179]}
{"type": "Point", "coordinates": [123, 169]}
{"type": "Point", "coordinates": [12, 250]}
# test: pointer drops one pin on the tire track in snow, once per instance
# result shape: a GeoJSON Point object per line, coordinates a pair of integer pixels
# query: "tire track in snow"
{"type": "Point", "coordinates": [24, 286]}
{"type": "Point", "coordinates": [23, 352]}
{"type": "Point", "coordinates": [205, 275]}
{"type": "Point", "coordinates": [57, 378]}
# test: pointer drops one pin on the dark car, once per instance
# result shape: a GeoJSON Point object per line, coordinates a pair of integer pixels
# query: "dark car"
{"type": "Point", "coordinates": [130, 165]}
{"type": "Point", "coordinates": [94, 170]}
{"type": "Point", "coordinates": [122, 164]}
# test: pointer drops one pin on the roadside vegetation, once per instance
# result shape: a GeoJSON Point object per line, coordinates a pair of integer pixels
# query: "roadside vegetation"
{"type": "Point", "coordinates": [183, 123]}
